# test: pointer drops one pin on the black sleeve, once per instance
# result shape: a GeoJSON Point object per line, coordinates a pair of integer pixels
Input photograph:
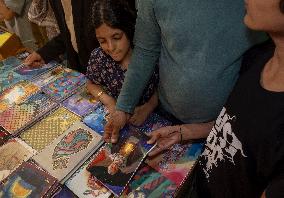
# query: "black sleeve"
{"type": "Point", "coordinates": [52, 49]}
{"type": "Point", "coordinates": [275, 188]}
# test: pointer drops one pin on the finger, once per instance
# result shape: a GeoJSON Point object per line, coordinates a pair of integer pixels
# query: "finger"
{"type": "Point", "coordinates": [154, 137]}
{"type": "Point", "coordinates": [115, 134]}
{"type": "Point", "coordinates": [107, 131]}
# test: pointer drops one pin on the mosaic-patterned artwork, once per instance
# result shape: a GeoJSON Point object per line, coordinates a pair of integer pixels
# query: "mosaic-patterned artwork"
{"type": "Point", "coordinates": [30, 72]}
{"type": "Point", "coordinates": [27, 181]}
{"type": "Point", "coordinates": [68, 150]}
{"type": "Point", "coordinates": [177, 162]}
{"type": "Point", "coordinates": [81, 103]}
{"type": "Point", "coordinates": [4, 136]}
{"type": "Point", "coordinates": [115, 164]}
{"type": "Point", "coordinates": [12, 154]}
{"type": "Point", "coordinates": [85, 185]}
{"type": "Point", "coordinates": [9, 64]}
{"type": "Point", "coordinates": [49, 76]}
{"type": "Point", "coordinates": [66, 85]}
{"type": "Point", "coordinates": [9, 78]}
{"type": "Point", "coordinates": [19, 116]}
{"type": "Point", "coordinates": [44, 132]}
{"type": "Point", "coordinates": [148, 183]}
{"type": "Point", "coordinates": [97, 119]}
{"type": "Point", "coordinates": [16, 94]}
{"type": "Point", "coordinates": [154, 122]}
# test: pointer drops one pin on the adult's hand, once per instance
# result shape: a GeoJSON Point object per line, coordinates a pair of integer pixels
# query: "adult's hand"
{"type": "Point", "coordinates": [34, 60]}
{"type": "Point", "coordinates": [165, 137]}
{"type": "Point", "coordinates": [115, 123]}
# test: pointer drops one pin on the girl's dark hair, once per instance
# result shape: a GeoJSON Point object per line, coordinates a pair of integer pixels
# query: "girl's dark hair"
{"type": "Point", "coordinates": [281, 5]}
{"type": "Point", "coordinates": [116, 14]}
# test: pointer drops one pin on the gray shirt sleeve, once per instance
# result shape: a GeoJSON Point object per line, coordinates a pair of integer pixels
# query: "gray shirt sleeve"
{"type": "Point", "coordinates": [16, 6]}
{"type": "Point", "coordinates": [147, 41]}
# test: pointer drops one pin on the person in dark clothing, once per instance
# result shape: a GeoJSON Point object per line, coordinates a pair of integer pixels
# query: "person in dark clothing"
{"type": "Point", "coordinates": [244, 152]}
{"type": "Point", "coordinates": [76, 39]}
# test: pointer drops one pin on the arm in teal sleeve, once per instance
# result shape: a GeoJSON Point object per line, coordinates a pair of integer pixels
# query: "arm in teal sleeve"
{"type": "Point", "coordinates": [144, 57]}
{"type": "Point", "coordinates": [15, 5]}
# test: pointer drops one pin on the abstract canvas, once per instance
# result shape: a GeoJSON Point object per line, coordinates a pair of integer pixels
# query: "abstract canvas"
{"type": "Point", "coordinates": [9, 78]}
{"type": "Point", "coordinates": [28, 180]}
{"type": "Point", "coordinates": [85, 185]}
{"type": "Point", "coordinates": [154, 122]}
{"type": "Point", "coordinates": [16, 94]}
{"type": "Point", "coordinates": [9, 64]}
{"type": "Point", "coordinates": [66, 85]}
{"type": "Point", "coordinates": [69, 150]}
{"type": "Point", "coordinates": [44, 132]}
{"type": "Point", "coordinates": [97, 119]}
{"type": "Point", "coordinates": [4, 136]}
{"type": "Point", "coordinates": [81, 103]}
{"type": "Point", "coordinates": [176, 163]}
{"type": "Point", "coordinates": [30, 72]}
{"type": "Point", "coordinates": [12, 154]}
{"type": "Point", "coordinates": [49, 76]}
{"type": "Point", "coordinates": [115, 164]}
{"type": "Point", "coordinates": [148, 183]}
{"type": "Point", "coordinates": [20, 116]}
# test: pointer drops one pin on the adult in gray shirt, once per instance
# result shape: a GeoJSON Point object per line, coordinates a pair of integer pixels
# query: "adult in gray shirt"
{"type": "Point", "coordinates": [199, 46]}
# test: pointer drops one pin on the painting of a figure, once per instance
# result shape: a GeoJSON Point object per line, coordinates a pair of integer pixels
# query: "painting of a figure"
{"type": "Point", "coordinates": [115, 164]}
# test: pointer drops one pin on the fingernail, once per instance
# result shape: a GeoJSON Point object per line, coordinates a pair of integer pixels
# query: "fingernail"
{"type": "Point", "coordinates": [113, 140]}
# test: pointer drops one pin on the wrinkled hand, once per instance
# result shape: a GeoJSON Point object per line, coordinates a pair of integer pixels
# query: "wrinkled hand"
{"type": "Point", "coordinates": [34, 60]}
{"type": "Point", "coordinates": [165, 137]}
{"type": "Point", "coordinates": [115, 123]}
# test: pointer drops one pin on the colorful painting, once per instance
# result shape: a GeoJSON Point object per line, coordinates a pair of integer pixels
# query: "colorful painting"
{"type": "Point", "coordinates": [81, 103]}
{"type": "Point", "coordinates": [4, 136]}
{"type": "Point", "coordinates": [154, 122]}
{"type": "Point", "coordinates": [9, 78]}
{"type": "Point", "coordinates": [115, 164]}
{"type": "Point", "coordinates": [27, 181]}
{"type": "Point", "coordinates": [12, 154]}
{"type": "Point", "coordinates": [20, 116]}
{"type": "Point", "coordinates": [65, 86]}
{"type": "Point", "coordinates": [44, 132]}
{"type": "Point", "coordinates": [49, 76]}
{"type": "Point", "coordinates": [177, 163]}
{"type": "Point", "coordinates": [68, 151]}
{"type": "Point", "coordinates": [148, 183]}
{"type": "Point", "coordinates": [97, 119]}
{"type": "Point", "coordinates": [9, 64]}
{"type": "Point", "coordinates": [85, 185]}
{"type": "Point", "coordinates": [30, 72]}
{"type": "Point", "coordinates": [16, 94]}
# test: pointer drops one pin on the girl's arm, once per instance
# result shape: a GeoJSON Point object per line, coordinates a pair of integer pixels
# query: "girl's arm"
{"type": "Point", "coordinates": [142, 112]}
{"type": "Point", "coordinates": [99, 94]}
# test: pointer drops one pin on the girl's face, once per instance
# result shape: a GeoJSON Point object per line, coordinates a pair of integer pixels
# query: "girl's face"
{"type": "Point", "coordinates": [264, 15]}
{"type": "Point", "coordinates": [114, 42]}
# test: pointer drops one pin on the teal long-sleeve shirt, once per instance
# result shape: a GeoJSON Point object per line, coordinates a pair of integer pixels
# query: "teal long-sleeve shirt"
{"type": "Point", "coordinates": [199, 46]}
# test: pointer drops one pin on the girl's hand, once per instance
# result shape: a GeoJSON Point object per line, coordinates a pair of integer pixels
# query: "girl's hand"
{"type": "Point", "coordinates": [165, 137]}
{"type": "Point", "coordinates": [141, 113]}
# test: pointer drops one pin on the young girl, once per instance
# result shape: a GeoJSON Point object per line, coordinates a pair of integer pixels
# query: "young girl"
{"type": "Point", "coordinates": [114, 23]}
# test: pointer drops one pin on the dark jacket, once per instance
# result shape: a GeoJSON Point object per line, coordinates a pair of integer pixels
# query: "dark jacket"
{"type": "Point", "coordinates": [85, 37]}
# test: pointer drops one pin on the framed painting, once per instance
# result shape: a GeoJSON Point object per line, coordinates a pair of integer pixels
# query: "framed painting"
{"type": "Point", "coordinates": [49, 76]}
{"type": "Point", "coordinates": [115, 164]}
{"type": "Point", "coordinates": [55, 123]}
{"type": "Point", "coordinates": [18, 117]}
{"type": "Point", "coordinates": [69, 151]}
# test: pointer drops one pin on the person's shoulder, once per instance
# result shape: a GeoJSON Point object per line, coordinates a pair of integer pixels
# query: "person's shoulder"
{"type": "Point", "coordinates": [97, 52]}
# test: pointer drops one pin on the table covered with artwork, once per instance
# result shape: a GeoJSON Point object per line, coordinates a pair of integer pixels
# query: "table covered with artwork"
{"type": "Point", "coordinates": [51, 141]}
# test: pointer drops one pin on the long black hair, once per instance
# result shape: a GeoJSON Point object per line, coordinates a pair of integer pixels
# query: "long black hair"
{"type": "Point", "coordinates": [117, 14]}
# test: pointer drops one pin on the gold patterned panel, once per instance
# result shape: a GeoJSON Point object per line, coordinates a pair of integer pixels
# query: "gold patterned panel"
{"type": "Point", "coordinates": [44, 132]}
